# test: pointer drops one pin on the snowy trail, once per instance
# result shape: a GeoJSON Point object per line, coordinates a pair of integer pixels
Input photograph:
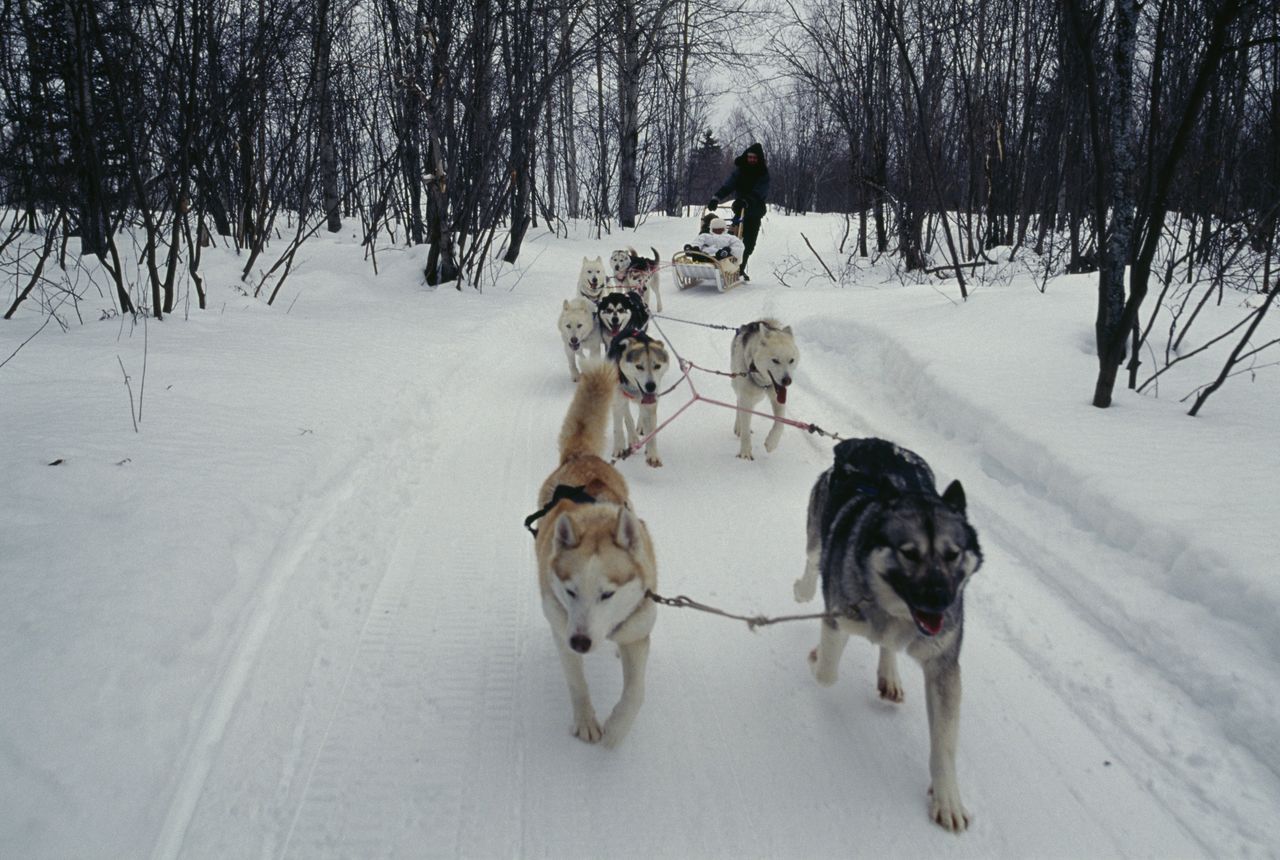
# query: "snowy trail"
{"type": "Point", "coordinates": [295, 614]}
{"type": "Point", "coordinates": [431, 719]}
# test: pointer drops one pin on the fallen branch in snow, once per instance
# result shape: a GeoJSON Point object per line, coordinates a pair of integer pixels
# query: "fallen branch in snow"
{"type": "Point", "coordinates": [815, 253]}
{"type": "Point", "coordinates": [951, 267]}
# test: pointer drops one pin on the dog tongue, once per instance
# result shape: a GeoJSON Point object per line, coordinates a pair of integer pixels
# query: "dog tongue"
{"type": "Point", "coordinates": [781, 391]}
{"type": "Point", "coordinates": [930, 623]}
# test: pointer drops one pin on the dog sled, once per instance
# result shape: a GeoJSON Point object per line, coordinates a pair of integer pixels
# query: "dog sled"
{"type": "Point", "coordinates": [694, 268]}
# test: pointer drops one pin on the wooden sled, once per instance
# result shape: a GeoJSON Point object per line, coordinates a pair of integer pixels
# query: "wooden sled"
{"type": "Point", "coordinates": [694, 268]}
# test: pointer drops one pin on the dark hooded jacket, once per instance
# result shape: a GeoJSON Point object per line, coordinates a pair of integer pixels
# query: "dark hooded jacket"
{"type": "Point", "coordinates": [747, 183]}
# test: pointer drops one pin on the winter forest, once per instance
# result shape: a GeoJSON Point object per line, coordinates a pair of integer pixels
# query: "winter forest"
{"type": "Point", "coordinates": [1100, 133]}
{"type": "Point", "coordinates": [283, 359]}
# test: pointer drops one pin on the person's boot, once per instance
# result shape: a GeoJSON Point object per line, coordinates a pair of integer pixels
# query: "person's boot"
{"type": "Point", "coordinates": [742, 270]}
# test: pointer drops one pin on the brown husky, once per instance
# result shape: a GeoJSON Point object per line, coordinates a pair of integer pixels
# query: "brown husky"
{"type": "Point", "coordinates": [595, 560]}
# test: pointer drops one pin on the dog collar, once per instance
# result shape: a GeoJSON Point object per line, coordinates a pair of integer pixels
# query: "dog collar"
{"type": "Point", "coordinates": [561, 492]}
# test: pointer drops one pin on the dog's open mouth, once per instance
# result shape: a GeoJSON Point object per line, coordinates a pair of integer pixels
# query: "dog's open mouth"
{"type": "Point", "coordinates": [574, 343]}
{"type": "Point", "coordinates": [928, 623]}
{"type": "Point", "coordinates": [781, 391]}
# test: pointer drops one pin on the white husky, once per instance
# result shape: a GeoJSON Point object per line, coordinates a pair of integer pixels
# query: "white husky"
{"type": "Point", "coordinates": [596, 562]}
{"type": "Point", "coordinates": [592, 279]}
{"type": "Point", "coordinates": [762, 358]}
{"type": "Point", "coordinates": [580, 331]}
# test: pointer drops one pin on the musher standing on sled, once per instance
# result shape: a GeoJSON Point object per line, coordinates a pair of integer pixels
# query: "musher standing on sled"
{"type": "Point", "coordinates": [749, 187]}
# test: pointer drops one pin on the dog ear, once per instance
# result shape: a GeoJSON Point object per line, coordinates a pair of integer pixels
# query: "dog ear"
{"type": "Point", "coordinates": [786, 329]}
{"type": "Point", "coordinates": [566, 537]}
{"type": "Point", "coordinates": [566, 304]}
{"type": "Point", "coordinates": [627, 535]}
{"type": "Point", "coordinates": [954, 498]}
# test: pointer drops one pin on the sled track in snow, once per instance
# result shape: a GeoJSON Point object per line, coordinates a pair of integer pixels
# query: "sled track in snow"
{"type": "Point", "coordinates": [409, 740]}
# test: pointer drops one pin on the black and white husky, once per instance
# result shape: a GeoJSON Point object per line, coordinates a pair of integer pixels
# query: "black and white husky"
{"type": "Point", "coordinates": [894, 558]}
{"type": "Point", "coordinates": [620, 312]}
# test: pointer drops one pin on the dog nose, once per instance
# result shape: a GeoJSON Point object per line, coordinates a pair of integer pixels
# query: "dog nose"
{"type": "Point", "coordinates": [573, 342]}
{"type": "Point", "coordinates": [650, 387]}
{"type": "Point", "coordinates": [786, 380]}
{"type": "Point", "coordinates": [580, 643]}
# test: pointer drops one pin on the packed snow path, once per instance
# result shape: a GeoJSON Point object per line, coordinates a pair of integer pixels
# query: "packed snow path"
{"type": "Point", "coordinates": [390, 687]}
{"type": "Point", "coordinates": [432, 719]}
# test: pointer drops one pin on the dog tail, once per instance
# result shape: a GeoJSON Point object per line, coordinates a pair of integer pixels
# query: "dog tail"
{"type": "Point", "coordinates": [588, 417]}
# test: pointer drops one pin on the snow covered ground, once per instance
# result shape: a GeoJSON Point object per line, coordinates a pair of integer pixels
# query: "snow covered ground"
{"type": "Point", "coordinates": [295, 614]}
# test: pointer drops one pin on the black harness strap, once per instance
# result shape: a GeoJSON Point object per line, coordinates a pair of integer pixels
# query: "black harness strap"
{"type": "Point", "coordinates": [561, 492]}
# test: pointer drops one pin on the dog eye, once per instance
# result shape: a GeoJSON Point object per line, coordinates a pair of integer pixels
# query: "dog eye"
{"type": "Point", "coordinates": [573, 595]}
{"type": "Point", "coordinates": [910, 553]}
{"type": "Point", "coordinates": [606, 595]}
{"type": "Point", "coordinates": [950, 555]}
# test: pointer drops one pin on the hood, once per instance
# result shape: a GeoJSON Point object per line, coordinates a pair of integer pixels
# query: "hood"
{"type": "Point", "coordinates": [741, 160]}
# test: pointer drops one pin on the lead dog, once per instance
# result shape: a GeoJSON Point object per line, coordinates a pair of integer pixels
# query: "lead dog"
{"type": "Point", "coordinates": [637, 273]}
{"type": "Point", "coordinates": [762, 358]}
{"type": "Point", "coordinates": [580, 332]}
{"type": "Point", "coordinates": [595, 561]}
{"type": "Point", "coordinates": [894, 558]}
{"type": "Point", "coordinates": [640, 361]}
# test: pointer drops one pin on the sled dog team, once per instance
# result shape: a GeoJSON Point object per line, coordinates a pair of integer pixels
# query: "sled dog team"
{"type": "Point", "coordinates": [613, 320]}
{"type": "Point", "coordinates": [892, 555]}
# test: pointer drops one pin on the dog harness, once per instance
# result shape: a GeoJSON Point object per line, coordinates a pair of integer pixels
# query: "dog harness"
{"type": "Point", "coordinates": [561, 492]}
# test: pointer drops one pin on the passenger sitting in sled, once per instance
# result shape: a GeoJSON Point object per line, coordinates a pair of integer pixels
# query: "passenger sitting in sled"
{"type": "Point", "coordinates": [724, 247]}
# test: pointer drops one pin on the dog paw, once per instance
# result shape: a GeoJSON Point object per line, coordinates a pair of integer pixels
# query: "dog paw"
{"type": "Point", "coordinates": [947, 811]}
{"type": "Point", "coordinates": [890, 688]}
{"type": "Point", "coordinates": [615, 731]}
{"type": "Point", "coordinates": [655, 461]}
{"type": "Point", "coordinates": [587, 729]}
{"type": "Point", "coordinates": [619, 453]}
{"type": "Point", "coordinates": [804, 588]}
{"type": "Point", "coordinates": [745, 455]}
{"type": "Point", "coordinates": [825, 678]}
{"type": "Point", "coordinates": [771, 441]}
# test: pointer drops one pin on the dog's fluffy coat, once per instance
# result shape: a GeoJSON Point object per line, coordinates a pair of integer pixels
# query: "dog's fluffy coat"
{"type": "Point", "coordinates": [641, 363]}
{"type": "Point", "coordinates": [592, 279]}
{"type": "Point", "coordinates": [762, 357]}
{"type": "Point", "coordinates": [894, 558]}
{"type": "Point", "coordinates": [595, 562]}
{"type": "Point", "coordinates": [580, 332]}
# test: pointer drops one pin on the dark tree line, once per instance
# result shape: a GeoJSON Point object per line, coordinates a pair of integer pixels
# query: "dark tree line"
{"type": "Point", "coordinates": [1132, 139]}
{"type": "Point", "coordinates": [1133, 133]}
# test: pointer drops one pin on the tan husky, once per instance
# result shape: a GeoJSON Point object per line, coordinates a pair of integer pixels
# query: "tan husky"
{"type": "Point", "coordinates": [595, 560]}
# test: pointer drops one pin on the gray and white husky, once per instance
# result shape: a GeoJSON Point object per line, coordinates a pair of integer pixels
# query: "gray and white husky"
{"type": "Point", "coordinates": [641, 362]}
{"type": "Point", "coordinates": [894, 558]}
{"type": "Point", "coordinates": [762, 357]}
